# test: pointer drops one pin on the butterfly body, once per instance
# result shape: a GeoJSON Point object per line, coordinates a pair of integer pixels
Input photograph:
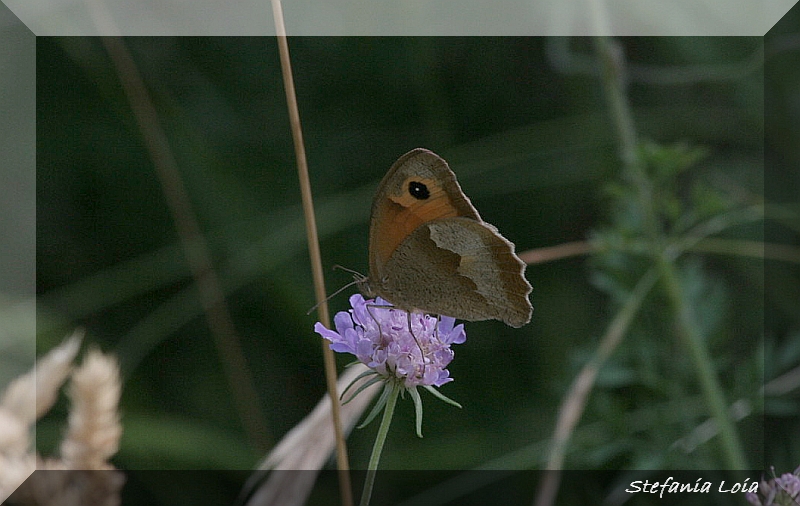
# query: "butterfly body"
{"type": "Point", "coordinates": [431, 252]}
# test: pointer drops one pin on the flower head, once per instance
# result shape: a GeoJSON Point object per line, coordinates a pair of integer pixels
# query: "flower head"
{"type": "Point", "coordinates": [411, 348]}
{"type": "Point", "coordinates": [779, 491]}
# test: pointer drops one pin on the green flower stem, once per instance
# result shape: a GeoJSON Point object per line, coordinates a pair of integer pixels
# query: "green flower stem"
{"type": "Point", "coordinates": [703, 364]}
{"type": "Point", "coordinates": [612, 67]}
{"type": "Point", "coordinates": [380, 439]}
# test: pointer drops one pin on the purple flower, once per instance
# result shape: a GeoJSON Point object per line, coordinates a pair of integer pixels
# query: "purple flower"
{"type": "Point", "coordinates": [790, 484]}
{"type": "Point", "coordinates": [379, 336]}
{"type": "Point", "coordinates": [779, 491]}
{"type": "Point", "coordinates": [753, 499]}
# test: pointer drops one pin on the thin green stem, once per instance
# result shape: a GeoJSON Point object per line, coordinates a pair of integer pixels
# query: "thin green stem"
{"type": "Point", "coordinates": [380, 439]}
{"type": "Point", "coordinates": [703, 365]}
{"type": "Point", "coordinates": [611, 61]}
{"type": "Point", "coordinates": [611, 58]}
{"type": "Point", "coordinates": [753, 249]}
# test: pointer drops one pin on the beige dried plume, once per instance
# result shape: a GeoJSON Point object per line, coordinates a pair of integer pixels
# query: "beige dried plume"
{"type": "Point", "coordinates": [92, 436]}
{"type": "Point", "coordinates": [307, 447]}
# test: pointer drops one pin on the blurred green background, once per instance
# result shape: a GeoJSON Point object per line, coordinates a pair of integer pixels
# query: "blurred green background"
{"type": "Point", "coordinates": [524, 124]}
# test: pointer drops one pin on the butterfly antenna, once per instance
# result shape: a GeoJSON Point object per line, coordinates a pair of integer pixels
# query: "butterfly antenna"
{"type": "Point", "coordinates": [356, 275]}
{"type": "Point", "coordinates": [334, 294]}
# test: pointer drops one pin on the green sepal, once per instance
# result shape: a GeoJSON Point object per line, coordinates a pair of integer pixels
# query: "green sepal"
{"type": "Point", "coordinates": [417, 408]}
{"type": "Point", "coordinates": [441, 396]}
{"type": "Point", "coordinates": [381, 402]}
{"type": "Point", "coordinates": [376, 379]}
{"type": "Point", "coordinates": [364, 374]}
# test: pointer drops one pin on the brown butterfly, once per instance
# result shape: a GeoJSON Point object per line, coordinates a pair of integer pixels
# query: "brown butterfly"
{"type": "Point", "coordinates": [430, 251]}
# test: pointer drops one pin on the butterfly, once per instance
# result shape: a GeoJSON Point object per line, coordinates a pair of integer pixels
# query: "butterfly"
{"type": "Point", "coordinates": [430, 251]}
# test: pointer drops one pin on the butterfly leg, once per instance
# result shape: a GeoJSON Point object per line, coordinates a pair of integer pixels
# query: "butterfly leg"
{"type": "Point", "coordinates": [419, 345]}
{"type": "Point", "coordinates": [377, 323]}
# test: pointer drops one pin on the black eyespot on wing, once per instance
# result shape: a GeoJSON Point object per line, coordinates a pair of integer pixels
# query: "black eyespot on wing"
{"type": "Point", "coordinates": [418, 190]}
